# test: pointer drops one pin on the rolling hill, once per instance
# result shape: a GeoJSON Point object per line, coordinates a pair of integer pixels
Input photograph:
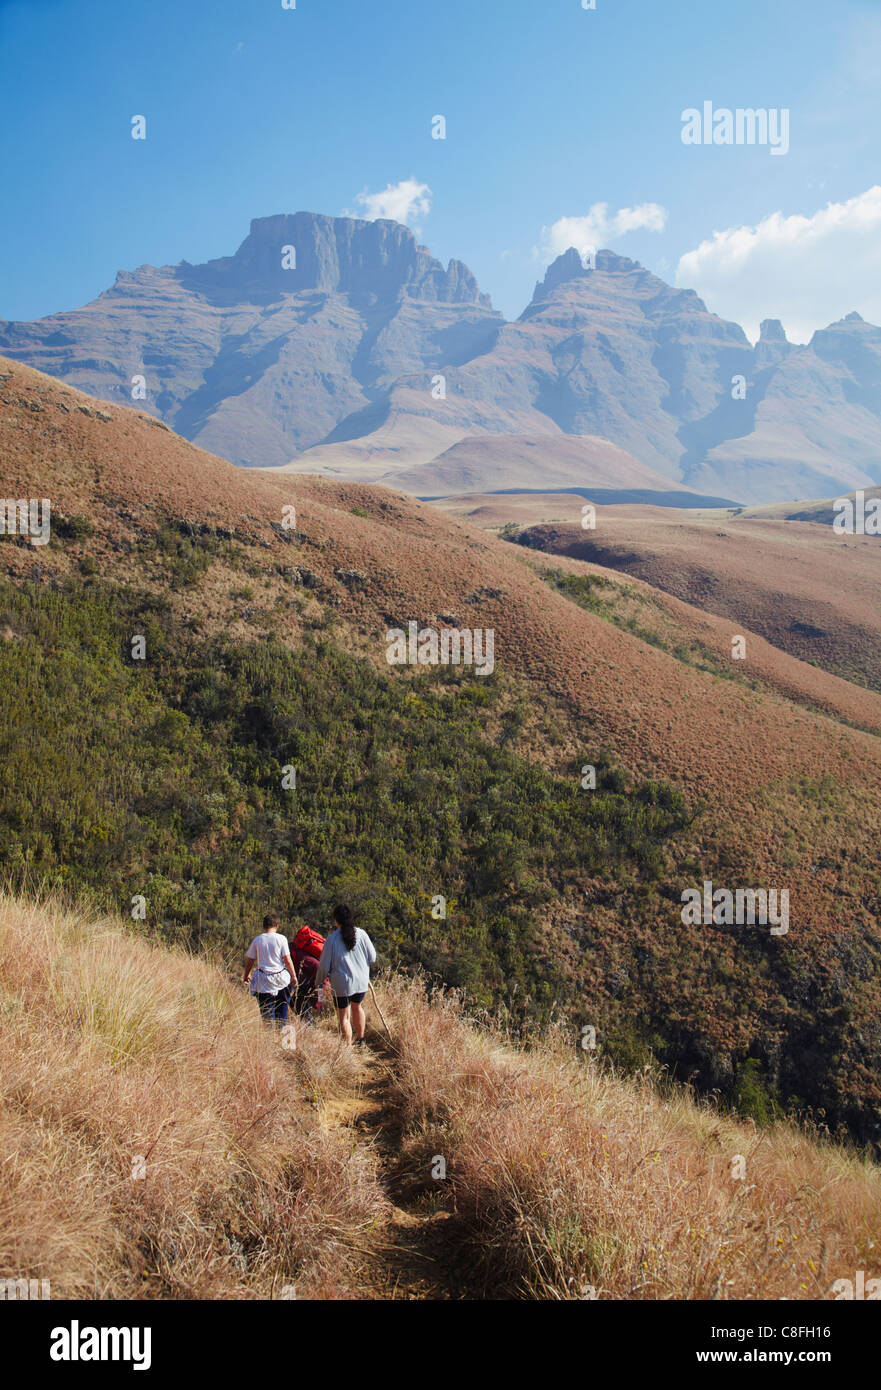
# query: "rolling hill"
{"type": "Point", "coordinates": [777, 576]}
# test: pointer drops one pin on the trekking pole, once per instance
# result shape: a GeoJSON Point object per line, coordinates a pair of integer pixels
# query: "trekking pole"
{"type": "Point", "coordinates": [378, 1009]}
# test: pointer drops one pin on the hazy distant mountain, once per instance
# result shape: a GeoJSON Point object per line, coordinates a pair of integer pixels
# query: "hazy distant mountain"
{"type": "Point", "coordinates": [258, 362]}
{"type": "Point", "coordinates": [613, 351]}
{"type": "Point", "coordinates": [377, 359]}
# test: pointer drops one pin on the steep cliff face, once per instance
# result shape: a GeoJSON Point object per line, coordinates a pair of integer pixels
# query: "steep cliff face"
{"type": "Point", "coordinates": [610, 350]}
{"type": "Point", "coordinates": [814, 423]}
{"type": "Point", "coordinates": [336, 255]}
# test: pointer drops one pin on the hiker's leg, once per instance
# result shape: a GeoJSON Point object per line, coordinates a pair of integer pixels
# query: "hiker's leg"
{"type": "Point", "coordinates": [359, 1020]}
{"type": "Point", "coordinates": [281, 1007]}
{"type": "Point", "coordinates": [267, 1006]}
{"type": "Point", "coordinates": [345, 1021]}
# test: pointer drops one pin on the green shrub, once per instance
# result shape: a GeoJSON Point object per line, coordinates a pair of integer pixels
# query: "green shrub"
{"type": "Point", "coordinates": [71, 528]}
{"type": "Point", "coordinates": [167, 782]}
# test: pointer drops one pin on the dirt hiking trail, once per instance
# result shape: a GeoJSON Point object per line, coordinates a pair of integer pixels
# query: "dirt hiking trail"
{"type": "Point", "coordinates": [410, 1254]}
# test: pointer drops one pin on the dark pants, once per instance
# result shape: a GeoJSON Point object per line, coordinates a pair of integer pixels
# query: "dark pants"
{"type": "Point", "coordinates": [307, 998]}
{"type": "Point", "coordinates": [274, 1007]}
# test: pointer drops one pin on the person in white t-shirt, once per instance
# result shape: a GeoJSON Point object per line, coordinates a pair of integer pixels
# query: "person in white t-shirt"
{"type": "Point", "coordinates": [270, 972]}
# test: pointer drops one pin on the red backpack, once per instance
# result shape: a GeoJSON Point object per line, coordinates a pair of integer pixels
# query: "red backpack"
{"type": "Point", "coordinates": [310, 942]}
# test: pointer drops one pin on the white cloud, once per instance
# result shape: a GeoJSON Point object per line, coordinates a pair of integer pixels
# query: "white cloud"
{"type": "Point", "coordinates": [598, 229]}
{"type": "Point", "coordinates": [408, 201]}
{"type": "Point", "coordinates": [805, 271]}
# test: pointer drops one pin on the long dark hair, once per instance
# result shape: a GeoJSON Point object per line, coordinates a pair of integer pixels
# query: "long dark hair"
{"type": "Point", "coordinates": [342, 915]}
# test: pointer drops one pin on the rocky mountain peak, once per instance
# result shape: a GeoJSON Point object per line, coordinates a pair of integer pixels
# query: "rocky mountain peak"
{"type": "Point", "coordinates": [322, 330]}
{"type": "Point", "coordinates": [296, 252]}
{"type": "Point", "coordinates": [772, 331]}
{"type": "Point", "coordinates": [572, 265]}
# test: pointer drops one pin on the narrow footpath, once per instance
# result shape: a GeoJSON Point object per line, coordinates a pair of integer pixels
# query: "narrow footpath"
{"type": "Point", "coordinates": [411, 1254]}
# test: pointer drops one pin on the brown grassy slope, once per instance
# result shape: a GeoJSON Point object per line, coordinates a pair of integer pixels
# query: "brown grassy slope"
{"type": "Point", "coordinates": [569, 1183]}
{"type": "Point", "coordinates": [822, 512]}
{"type": "Point", "coordinates": [807, 591]}
{"type": "Point", "coordinates": [481, 463]}
{"type": "Point", "coordinates": [155, 1143]}
{"type": "Point", "coordinates": [493, 510]}
{"type": "Point", "coordinates": [701, 637]}
{"type": "Point", "coordinates": [124, 471]}
{"type": "Point", "coordinates": [159, 1143]}
{"type": "Point", "coordinates": [793, 798]}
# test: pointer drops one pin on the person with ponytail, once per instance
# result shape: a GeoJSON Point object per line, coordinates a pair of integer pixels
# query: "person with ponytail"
{"type": "Point", "coordinates": [346, 960]}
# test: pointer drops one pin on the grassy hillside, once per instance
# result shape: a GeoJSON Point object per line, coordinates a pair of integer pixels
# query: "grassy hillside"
{"type": "Point", "coordinates": [265, 649]}
{"type": "Point", "coordinates": [169, 782]}
{"type": "Point", "coordinates": [159, 1143]}
{"type": "Point", "coordinates": [806, 590]}
{"type": "Point", "coordinates": [154, 1143]}
{"type": "Point", "coordinates": [703, 640]}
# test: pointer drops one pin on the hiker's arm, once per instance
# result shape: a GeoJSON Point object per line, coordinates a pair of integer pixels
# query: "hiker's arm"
{"type": "Point", "coordinates": [249, 966]}
{"type": "Point", "coordinates": [291, 969]}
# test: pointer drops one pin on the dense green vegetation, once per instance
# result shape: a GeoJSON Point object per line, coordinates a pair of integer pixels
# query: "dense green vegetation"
{"type": "Point", "coordinates": [165, 777]}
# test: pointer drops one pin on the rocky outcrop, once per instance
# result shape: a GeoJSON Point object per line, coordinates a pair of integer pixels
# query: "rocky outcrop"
{"type": "Point", "coordinates": [336, 255]}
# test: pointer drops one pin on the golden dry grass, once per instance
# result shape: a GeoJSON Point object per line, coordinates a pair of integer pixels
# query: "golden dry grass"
{"type": "Point", "coordinates": [564, 1180]}
{"type": "Point", "coordinates": [112, 1051]}
{"type": "Point", "coordinates": [567, 1180]}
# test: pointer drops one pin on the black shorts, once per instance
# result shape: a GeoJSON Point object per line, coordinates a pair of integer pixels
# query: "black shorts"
{"type": "Point", "coordinates": [342, 1001]}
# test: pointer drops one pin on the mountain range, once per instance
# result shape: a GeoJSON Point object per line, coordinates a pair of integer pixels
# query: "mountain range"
{"type": "Point", "coordinates": [342, 347]}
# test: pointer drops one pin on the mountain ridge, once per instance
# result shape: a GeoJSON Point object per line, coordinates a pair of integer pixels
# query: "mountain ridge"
{"type": "Point", "coordinates": [318, 330]}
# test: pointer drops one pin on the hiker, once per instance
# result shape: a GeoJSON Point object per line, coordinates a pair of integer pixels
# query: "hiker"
{"type": "Point", "coordinates": [306, 949]}
{"type": "Point", "coordinates": [270, 970]}
{"type": "Point", "coordinates": [346, 960]}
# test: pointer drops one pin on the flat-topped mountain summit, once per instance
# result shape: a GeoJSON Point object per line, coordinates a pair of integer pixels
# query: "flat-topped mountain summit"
{"type": "Point", "coordinates": [262, 354]}
{"type": "Point", "coordinates": [337, 255]}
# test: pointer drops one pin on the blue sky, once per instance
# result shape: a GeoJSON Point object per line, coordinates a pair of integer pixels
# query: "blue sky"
{"type": "Point", "coordinates": [551, 110]}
